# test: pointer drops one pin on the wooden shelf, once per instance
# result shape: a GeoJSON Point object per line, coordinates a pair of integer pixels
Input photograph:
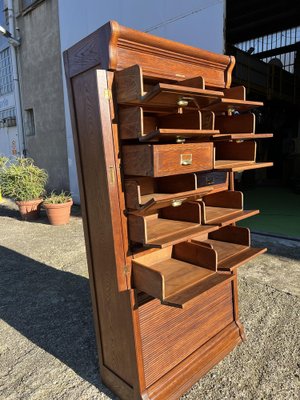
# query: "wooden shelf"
{"type": "Point", "coordinates": [239, 166]}
{"type": "Point", "coordinates": [178, 134]}
{"type": "Point", "coordinates": [145, 195]}
{"type": "Point", "coordinates": [241, 136]}
{"type": "Point", "coordinates": [223, 208]}
{"type": "Point", "coordinates": [232, 245]}
{"type": "Point", "coordinates": [177, 274]}
{"type": "Point", "coordinates": [163, 93]}
{"type": "Point", "coordinates": [224, 105]}
{"type": "Point", "coordinates": [131, 89]}
{"type": "Point", "coordinates": [168, 226]}
{"type": "Point", "coordinates": [237, 156]}
{"type": "Point", "coordinates": [147, 125]}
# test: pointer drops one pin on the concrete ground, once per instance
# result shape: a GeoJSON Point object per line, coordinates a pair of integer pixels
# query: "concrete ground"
{"type": "Point", "coordinates": [47, 344]}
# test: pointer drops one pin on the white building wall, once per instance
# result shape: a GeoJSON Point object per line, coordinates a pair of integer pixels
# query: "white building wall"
{"type": "Point", "coordinates": [9, 136]}
{"type": "Point", "coordinates": [197, 23]}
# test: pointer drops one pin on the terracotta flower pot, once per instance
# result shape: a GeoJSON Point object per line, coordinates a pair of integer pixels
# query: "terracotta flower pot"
{"type": "Point", "coordinates": [58, 214]}
{"type": "Point", "coordinates": [29, 210]}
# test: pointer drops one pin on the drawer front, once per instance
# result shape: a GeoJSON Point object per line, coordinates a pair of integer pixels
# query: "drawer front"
{"type": "Point", "coordinates": [169, 334]}
{"type": "Point", "coordinates": [212, 178]}
{"type": "Point", "coordinates": [180, 159]}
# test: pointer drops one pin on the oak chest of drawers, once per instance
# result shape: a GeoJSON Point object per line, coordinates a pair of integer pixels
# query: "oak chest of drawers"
{"type": "Point", "coordinates": [159, 133]}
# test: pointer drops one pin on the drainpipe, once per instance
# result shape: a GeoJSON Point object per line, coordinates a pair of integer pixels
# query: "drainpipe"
{"type": "Point", "coordinates": [13, 51]}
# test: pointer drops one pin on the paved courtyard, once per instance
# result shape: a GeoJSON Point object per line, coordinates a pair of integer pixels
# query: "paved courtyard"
{"type": "Point", "coordinates": [47, 344]}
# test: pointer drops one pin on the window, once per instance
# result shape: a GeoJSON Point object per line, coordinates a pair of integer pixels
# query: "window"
{"type": "Point", "coordinates": [6, 79]}
{"type": "Point", "coordinates": [29, 122]}
{"type": "Point", "coordinates": [279, 48]}
{"type": "Point", "coordinates": [8, 117]}
{"type": "Point", "coordinates": [4, 23]}
{"type": "Point", "coordinates": [28, 3]}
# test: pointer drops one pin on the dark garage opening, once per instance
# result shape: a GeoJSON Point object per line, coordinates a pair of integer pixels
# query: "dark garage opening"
{"type": "Point", "coordinates": [264, 37]}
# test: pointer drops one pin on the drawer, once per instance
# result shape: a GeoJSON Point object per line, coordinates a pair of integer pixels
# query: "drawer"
{"type": "Point", "coordinates": [241, 123]}
{"type": "Point", "coordinates": [223, 208]}
{"type": "Point", "coordinates": [167, 226]}
{"type": "Point", "coordinates": [238, 127]}
{"type": "Point", "coordinates": [167, 159]}
{"type": "Point", "coordinates": [217, 179]}
{"type": "Point", "coordinates": [237, 156]}
{"type": "Point", "coordinates": [232, 245]}
{"type": "Point", "coordinates": [234, 99]}
{"type": "Point", "coordinates": [145, 194]}
{"type": "Point", "coordinates": [177, 274]}
{"type": "Point", "coordinates": [136, 123]}
{"type": "Point", "coordinates": [132, 87]}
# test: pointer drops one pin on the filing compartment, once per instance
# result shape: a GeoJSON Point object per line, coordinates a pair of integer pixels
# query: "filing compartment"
{"type": "Point", "coordinates": [232, 245]}
{"type": "Point", "coordinates": [138, 123]}
{"type": "Point", "coordinates": [133, 88]}
{"type": "Point", "coordinates": [223, 208]}
{"type": "Point", "coordinates": [167, 159]}
{"type": "Point", "coordinates": [167, 226]}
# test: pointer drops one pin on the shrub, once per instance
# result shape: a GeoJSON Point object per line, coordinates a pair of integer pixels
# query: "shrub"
{"type": "Point", "coordinates": [60, 198]}
{"type": "Point", "coordinates": [21, 180]}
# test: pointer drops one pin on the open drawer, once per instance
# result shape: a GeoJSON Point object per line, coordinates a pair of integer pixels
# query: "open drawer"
{"type": "Point", "coordinates": [238, 127]}
{"type": "Point", "coordinates": [233, 99]}
{"type": "Point", "coordinates": [237, 156]}
{"type": "Point", "coordinates": [133, 88]}
{"type": "Point", "coordinates": [135, 122]}
{"type": "Point", "coordinates": [144, 195]}
{"type": "Point", "coordinates": [232, 245]}
{"type": "Point", "coordinates": [224, 208]}
{"type": "Point", "coordinates": [158, 160]}
{"type": "Point", "coordinates": [177, 274]}
{"type": "Point", "coordinates": [167, 226]}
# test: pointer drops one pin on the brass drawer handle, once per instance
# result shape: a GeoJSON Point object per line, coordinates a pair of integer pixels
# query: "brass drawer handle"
{"type": "Point", "coordinates": [177, 202]}
{"type": "Point", "coordinates": [186, 159]}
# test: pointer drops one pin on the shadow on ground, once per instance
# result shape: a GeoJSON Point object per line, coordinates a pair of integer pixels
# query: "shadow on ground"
{"type": "Point", "coordinates": [52, 308]}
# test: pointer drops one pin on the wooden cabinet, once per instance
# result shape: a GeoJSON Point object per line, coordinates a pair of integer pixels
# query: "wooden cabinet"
{"type": "Point", "coordinates": [158, 133]}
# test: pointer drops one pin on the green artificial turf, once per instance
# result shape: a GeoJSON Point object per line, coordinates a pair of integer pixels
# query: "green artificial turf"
{"type": "Point", "coordinates": [279, 211]}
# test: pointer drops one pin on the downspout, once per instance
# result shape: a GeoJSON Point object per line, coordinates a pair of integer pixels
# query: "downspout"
{"type": "Point", "coordinates": [13, 51]}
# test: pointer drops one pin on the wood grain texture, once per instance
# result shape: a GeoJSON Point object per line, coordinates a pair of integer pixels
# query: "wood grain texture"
{"type": "Point", "coordinates": [147, 349]}
{"type": "Point", "coordinates": [238, 166]}
{"type": "Point", "coordinates": [145, 195]}
{"type": "Point", "coordinates": [103, 224]}
{"type": "Point", "coordinates": [177, 381]}
{"type": "Point", "coordinates": [235, 92]}
{"type": "Point", "coordinates": [184, 331]}
{"type": "Point", "coordinates": [245, 151]}
{"type": "Point", "coordinates": [164, 160]}
{"type": "Point", "coordinates": [243, 123]}
{"type": "Point", "coordinates": [150, 229]}
{"type": "Point", "coordinates": [224, 104]}
{"type": "Point", "coordinates": [225, 199]}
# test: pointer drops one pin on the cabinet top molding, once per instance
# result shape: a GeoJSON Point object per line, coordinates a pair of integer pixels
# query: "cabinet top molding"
{"type": "Point", "coordinates": [114, 47]}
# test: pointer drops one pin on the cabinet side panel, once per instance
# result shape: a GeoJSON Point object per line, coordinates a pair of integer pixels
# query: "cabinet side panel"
{"type": "Point", "coordinates": [103, 231]}
{"type": "Point", "coordinates": [169, 334]}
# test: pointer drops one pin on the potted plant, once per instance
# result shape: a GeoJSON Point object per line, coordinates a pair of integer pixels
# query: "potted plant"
{"type": "Point", "coordinates": [3, 162]}
{"type": "Point", "coordinates": [58, 208]}
{"type": "Point", "coordinates": [25, 183]}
